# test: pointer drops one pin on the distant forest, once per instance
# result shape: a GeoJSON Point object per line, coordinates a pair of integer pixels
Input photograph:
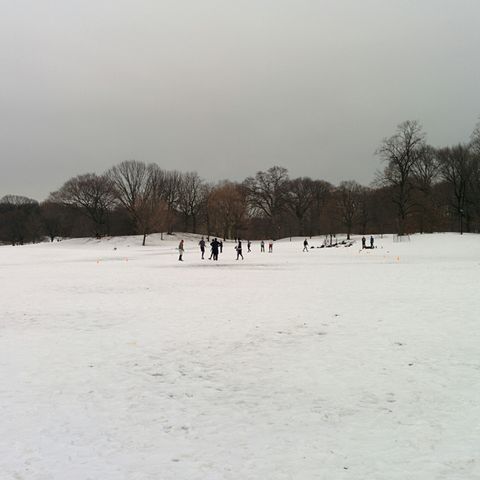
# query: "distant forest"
{"type": "Point", "coordinates": [418, 188]}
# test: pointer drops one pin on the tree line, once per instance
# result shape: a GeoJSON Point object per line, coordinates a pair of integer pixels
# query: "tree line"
{"type": "Point", "coordinates": [418, 189]}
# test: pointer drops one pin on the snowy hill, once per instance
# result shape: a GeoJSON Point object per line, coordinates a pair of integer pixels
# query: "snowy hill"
{"type": "Point", "coordinates": [119, 362]}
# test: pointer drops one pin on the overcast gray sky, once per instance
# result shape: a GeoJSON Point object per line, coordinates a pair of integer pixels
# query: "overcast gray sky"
{"type": "Point", "coordinates": [228, 87]}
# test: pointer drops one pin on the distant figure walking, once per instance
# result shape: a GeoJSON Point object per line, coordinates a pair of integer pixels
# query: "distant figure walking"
{"type": "Point", "coordinates": [305, 245]}
{"type": "Point", "coordinates": [239, 249]}
{"type": "Point", "coordinates": [215, 245]}
{"type": "Point", "coordinates": [364, 242]}
{"type": "Point", "coordinates": [262, 246]}
{"type": "Point", "coordinates": [249, 244]}
{"type": "Point", "coordinates": [180, 251]}
{"type": "Point", "coordinates": [220, 244]}
{"type": "Point", "coordinates": [202, 247]}
{"type": "Point", "coordinates": [270, 246]}
{"type": "Point", "coordinates": [371, 241]}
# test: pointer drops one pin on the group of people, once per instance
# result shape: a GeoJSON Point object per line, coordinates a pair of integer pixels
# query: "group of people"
{"type": "Point", "coordinates": [216, 247]}
{"type": "Point", "coordinates": [364, 242]}
{"type": "Point", "coordinates": [270, 246]}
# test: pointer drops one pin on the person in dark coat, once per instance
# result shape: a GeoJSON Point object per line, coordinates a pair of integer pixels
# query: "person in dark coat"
{"type": "Point", "coordinates": [239, 249]}
{"type": "Point", "coordinates": [220, 244]}
{"type": "Point", "coordinates": [249, 244]}
{"type": "Point", "coordinates": [364, 242]}
{"type": "Point", "coordinates": [202, 247]}
{"type": "Point", "coordinates": [181, 249]}
{"type": "Point", "coordinates": [215, 246]}
{"type": "Point", "coordinates": [305, 245]}
{"type": "Point", "coordinates": [371, 241]}
{"type": "Point", "coordinates": [262, 246]}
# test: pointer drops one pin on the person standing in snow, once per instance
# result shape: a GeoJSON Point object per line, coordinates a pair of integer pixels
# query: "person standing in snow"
{"type": "Point", "coordinates": [180, 250]}
{"type": "Point", "coordinates": [371, 241]}
{"type": "Point", "coordinates": [215, 244]}
{"type": "Point", "coordinates": [305, 245]}
{"type": "Point", "coordinates": [220, 244]}
{"type": "Point", "coordinates": [239, 249]}
{"type": "Point", "coordinates": [270, 246]}
{"type": "Point", "coordinates": [364, 242]}
{"type": "Point", "coordinates": [249, 244]}
{"type": "Point", "coordinates": [262, 246]}
{"type": "Point", "coordinates": [202, 247]}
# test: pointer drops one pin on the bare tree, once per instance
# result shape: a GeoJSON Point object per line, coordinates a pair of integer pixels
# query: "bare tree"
{"type": "Point", "coordinates": [54, 219]}
{"type": "Point", "coordinates": [19, 220]}
{"type": "Point", "coordinates": [192, 193]}
{"type": "Point", "coordinates": [151, 215]}
{"type": "Point", "coordinates": [426, 169]}
{"type": "Point", "coordinates": [475, 148]}
{"type": "Point", "coordinates": [130, 179]}
{"type": "Point", "coordinates": [18, 201]}
{"type": "Point", "coordinates": [349, 193]}
{"type": "Point", "coordinates": [138, 190]}
{"type": "Point", "coordinates": [457, 166]}
{"type": "Point", "coordinates": [299, 198]}
{"type": "Point", "coordinates": [228, 207]}
{"type": "Point", "coordinates": [425, 173]}
{"type": "Point", "coordinates": [170, 194]}
{"type": "Point", "coordinates": [318, 214]}
{"type": "Point", "coordinates": [401, 152]}
{"type": "Point", "coordinates": [91, 194]}
{"type": "Point", "coordinates": [267, 195]}
{"type": "Point", "coordinates": [364, 207]}
{"type": "Point", "coordinates": [475, 139]}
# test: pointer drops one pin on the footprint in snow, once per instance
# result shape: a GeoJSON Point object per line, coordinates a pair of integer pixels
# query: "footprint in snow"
{"type": "Point", "coordinates": [391, 398]}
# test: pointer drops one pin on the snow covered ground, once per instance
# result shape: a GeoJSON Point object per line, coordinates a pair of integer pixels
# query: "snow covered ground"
{"type": "Point", "coordinates": [118, 362]}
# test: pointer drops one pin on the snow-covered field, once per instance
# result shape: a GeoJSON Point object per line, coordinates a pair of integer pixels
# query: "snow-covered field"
{"type": "Point", "coordinates": [118, 362]}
